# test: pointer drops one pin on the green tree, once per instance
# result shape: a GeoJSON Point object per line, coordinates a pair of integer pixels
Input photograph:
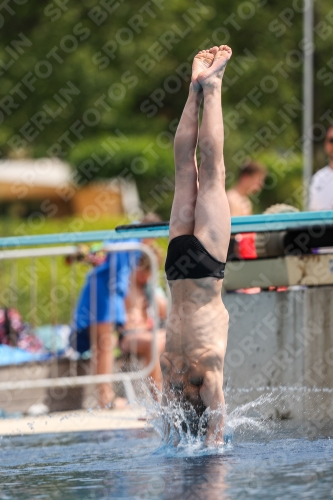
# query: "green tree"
{"type": "Point", "coordinates": [76, 72]}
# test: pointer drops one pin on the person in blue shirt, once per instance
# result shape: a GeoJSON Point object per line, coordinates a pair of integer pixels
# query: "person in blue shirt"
{"type": "Point", "coordinates": [101, 309]}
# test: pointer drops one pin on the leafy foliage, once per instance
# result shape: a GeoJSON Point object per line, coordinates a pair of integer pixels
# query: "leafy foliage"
{"type": "Point", "coordinates": [77, 73]}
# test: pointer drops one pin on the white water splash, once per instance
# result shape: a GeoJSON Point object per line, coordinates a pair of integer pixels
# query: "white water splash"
{"type": "Point", "coordinates": [182, 432]}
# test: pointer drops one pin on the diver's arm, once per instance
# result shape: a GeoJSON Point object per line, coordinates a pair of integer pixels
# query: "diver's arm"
{"type": "Point", "coordinates": [211, 393]}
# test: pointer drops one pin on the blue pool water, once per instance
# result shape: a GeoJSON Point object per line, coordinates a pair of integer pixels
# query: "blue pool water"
{"type": "Point", "coordinates": [279, 462]}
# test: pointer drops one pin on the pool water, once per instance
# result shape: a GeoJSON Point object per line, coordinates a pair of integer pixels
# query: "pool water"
{"type": "Point", "coordinates": [279, 462]}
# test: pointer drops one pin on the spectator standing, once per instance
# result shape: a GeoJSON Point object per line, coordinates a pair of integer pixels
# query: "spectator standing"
{"type": "Point", "coordinates": [251, 179]}
{"type": "Point", "coordinates": [321, 186]}
{"type": "Point", "coordinates": [101, 309]}
{"type": "Point", "coordinates": [101, 306]}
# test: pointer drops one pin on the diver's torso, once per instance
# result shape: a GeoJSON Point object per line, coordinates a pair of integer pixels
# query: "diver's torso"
{"type": "Point", "coordinates": [198, 320]}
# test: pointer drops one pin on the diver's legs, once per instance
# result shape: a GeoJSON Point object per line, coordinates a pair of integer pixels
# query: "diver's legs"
{"type": "Point", "coordinates": [212, 214]}
{"type": "Point", "coordinates": [186, 172]}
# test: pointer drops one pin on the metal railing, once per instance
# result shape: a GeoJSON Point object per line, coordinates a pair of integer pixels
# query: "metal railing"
{"type": "Point", "coordinates": [12, 256]}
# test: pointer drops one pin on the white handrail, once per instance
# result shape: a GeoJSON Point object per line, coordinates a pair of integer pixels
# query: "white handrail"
{"type": "Point", "coordinates": [37, 252]}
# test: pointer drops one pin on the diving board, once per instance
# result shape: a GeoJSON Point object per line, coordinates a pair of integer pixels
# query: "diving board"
{"type": "Point", "coordinates": [249, 224]}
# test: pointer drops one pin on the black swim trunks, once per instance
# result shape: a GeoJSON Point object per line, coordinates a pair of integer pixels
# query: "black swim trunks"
{"type": "Point", "coordinates": [187, 258]}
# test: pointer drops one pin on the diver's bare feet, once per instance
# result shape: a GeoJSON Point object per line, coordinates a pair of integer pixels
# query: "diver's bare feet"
{"type": "Point", "coordinates": [201, 62]}
{"type": "Point", "coordinates": [214, 73]}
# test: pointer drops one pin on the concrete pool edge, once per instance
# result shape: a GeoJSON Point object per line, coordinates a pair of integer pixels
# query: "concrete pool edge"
{"type": "Point", "coordinates": [74, 421]}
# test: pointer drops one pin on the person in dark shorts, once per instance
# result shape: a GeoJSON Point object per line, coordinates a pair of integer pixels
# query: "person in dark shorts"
{"type": "Point", "coordinates": [197, 325]}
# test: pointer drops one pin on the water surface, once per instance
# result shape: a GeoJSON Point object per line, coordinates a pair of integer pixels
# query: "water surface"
{"type": "Point", "coordinates": [281, 462]}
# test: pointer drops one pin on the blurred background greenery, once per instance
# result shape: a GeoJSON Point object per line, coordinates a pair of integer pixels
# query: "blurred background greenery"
{"type": "Point", "coordinates": [101, 85]}
{"type": "Point", "coordinates": [114, 81]}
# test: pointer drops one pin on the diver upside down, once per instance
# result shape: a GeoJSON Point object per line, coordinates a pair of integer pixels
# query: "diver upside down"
{"type": "Point", "coordinates": [197, 325]}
